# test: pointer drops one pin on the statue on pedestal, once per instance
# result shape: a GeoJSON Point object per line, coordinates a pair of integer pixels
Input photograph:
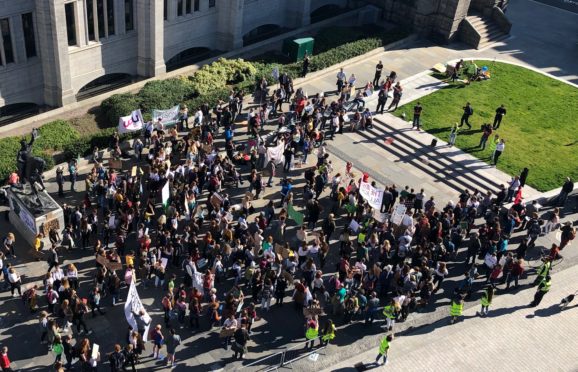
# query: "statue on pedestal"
{"type": "Point", "coordinates": [30, 168]}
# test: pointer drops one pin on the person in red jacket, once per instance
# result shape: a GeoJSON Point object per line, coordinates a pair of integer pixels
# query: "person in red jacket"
{"type": "Point", "coordinates": [4, 360]}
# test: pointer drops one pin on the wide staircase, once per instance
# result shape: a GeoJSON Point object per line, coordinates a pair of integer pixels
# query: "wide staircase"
{"type": "Point", "coordinates": [489, 31]}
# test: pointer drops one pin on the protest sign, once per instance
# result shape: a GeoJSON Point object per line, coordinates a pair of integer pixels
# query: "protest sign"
{"type": "Point", "coordinates": [372, 195]}
{"type": "Point", "coordinates": [398, 213]}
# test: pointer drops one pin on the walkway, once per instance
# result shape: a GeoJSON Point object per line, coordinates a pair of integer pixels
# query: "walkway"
{"type": "Point", "coordinates": [512, 337]}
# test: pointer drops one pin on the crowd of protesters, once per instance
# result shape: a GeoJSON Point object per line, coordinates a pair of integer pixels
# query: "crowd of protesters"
{"type": "Point", "coordinates": [220, 257]}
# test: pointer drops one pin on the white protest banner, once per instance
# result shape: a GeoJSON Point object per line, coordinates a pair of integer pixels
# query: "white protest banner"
{"type": "Point", "coordinates": [373, 196]}
{"type": "Point", "coordinates": [398, 213]}
{"type": "Point", "coordinates": [168, 117]}
{"type": "Point", "coordinates": [165, 194]}
{"type": "Point", "coordinates": [131, 123]}
{"type": "Point", "coordinates": [132, 306]}
{"type": "Point", "coordinates": [275, 153]}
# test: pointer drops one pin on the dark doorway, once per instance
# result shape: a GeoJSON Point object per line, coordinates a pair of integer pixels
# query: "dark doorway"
{"type": "Point", "coordinates": [103, 84]}
{"type": "Point", "coordinates": [189, 57]}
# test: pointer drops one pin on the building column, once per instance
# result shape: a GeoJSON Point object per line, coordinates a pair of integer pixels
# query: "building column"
{"type": "Point", "coordinates": [150, 28]}
{"type": "Point", "coordinates": [51, 24]}
{"type": "Point", "coordinates": [298, 13]}
{"type": "Point", "coordinates": [230, 24]}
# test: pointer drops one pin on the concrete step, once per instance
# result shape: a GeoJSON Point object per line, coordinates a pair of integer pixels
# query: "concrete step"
{"type": "Point", "coordinates": [426, 159]}
{"type": "Point", "coordinates": [485, 43]}
{"type": "Point", "coordinates": [436, 160]}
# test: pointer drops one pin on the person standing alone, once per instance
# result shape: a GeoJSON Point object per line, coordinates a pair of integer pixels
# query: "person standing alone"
{"type": "Point", "coordinates": [417, 109]}
{"type": "Point", "coordinates": [377, 76]}
{"type": "Point", "coordinates": [468, 111]}
{"type": "Point", "coordinates": [500, 113]}
{"type": "Point", "coordinates": [383, 349]}
{"type": "Point", "coordinates": [543, 288]}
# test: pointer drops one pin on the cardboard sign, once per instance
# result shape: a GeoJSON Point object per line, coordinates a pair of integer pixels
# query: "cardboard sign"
{"type": "Point", "coordinates": [216, 200]}
{"type": "Point", "coordinates": [226, 333]}
{"type": "Point", "coordinates": [115, 164]}
{"type": "Point", "coordinates": [398, 213]}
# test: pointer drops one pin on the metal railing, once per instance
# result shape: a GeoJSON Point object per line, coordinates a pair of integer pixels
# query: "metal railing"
{"type": "Point", "coordinates": [284, 358]}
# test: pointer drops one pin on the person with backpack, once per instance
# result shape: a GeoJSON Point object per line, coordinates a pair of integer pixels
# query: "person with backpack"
{"type": "Point", "coordinates": [116, 359]}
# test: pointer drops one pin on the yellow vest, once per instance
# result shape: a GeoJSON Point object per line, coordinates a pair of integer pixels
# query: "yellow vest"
{"type": "Point", "coordinates": [330, 335]}
{"type": "Point", "coordinates": [311, 333]}
{"type": "Point", "coordinates": [389, 311]}
{"type": "Point", "coordinates": [456, 308]}
{"type": "Point", "coordinates": [384, 346]}
{"type": "Point", "coordinates": [546, 286]}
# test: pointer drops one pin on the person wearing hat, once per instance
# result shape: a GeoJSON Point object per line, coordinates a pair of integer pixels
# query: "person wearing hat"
{"type": "Point", "coordinates": [311, 333]}
{"type": "Point", "coordinates": [543, 288]}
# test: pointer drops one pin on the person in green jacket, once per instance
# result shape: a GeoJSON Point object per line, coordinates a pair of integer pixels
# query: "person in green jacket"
{"type": "Point", "coordinates": [383, 349]}
{"type": "Point", "coordinates": [543, 271]}
{"type": "Point", "coordinates": [389, 313]}
{"type": "Point", "coordinates": [311, 333]}
{"type": "Point", "coordinates": [456, 308]}
{"type": "Point", "coordinates": [486, 300]}
{"type": "Point", "coordinates": [543, 288]}
{"type": "Point", "coordinates": [328, 333]}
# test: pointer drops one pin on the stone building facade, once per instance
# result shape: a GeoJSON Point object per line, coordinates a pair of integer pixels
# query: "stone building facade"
{"type": "Point", "coordinates": [438, 19]}
{"type": "Point", "coordinates": [51, 49]}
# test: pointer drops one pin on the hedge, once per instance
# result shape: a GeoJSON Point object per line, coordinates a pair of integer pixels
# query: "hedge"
{"type": "Point", "coordinates": [118, 105]}
{"type": "Point", "coordinates": [163, 94]}
{"type": "Point", "coordinates": [54, 136]}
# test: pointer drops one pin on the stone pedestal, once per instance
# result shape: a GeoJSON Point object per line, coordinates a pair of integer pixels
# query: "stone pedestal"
{"type": "Point", "coordinates": [30, 218]}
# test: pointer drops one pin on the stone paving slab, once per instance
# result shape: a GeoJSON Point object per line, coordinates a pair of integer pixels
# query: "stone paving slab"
{"type": "Point", "coordinates": [513, 336]}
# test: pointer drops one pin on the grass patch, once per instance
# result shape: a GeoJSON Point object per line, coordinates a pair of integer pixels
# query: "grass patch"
{"type": "Point", "coordinates": [539, 128]}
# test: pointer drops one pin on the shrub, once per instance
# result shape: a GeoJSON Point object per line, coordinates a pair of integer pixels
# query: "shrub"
{"type": "Point", "coordinates": [55, 136]}
{"type": "Point", "coordinates": [163, 94]}
{"type": "Point", "coordinates": [118, 105]}
{"type": "Point", "coordinates": [221, 73]}
{"type": "Point", "coordinates": [8, 149]}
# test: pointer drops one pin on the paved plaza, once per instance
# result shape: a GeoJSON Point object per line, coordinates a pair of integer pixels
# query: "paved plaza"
{"type": "Point", "coordinates": [513, 336]}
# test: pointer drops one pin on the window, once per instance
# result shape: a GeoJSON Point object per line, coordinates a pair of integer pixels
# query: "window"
{"type": "Point", "coordinates": [188, 5]}
{"type": "Point", "coordinates": [197, 5]}
{"type": "Point", "coordinates": [212, 3]}
{"type": "Point", "coordinates": [29, 37]}
{"type": "Point", "coordinates": [110, 17]}
{"type": "Point", "coordinates": [100, 17]}
{"type": "Point", "coordinates": [179, 8]}
{"type": "Point", "coordinates": [7, 40]}
{"type": "Point", "coordinates": [128, 15]}
{"type": "Point", "coordinates": [165, 13]}
{"type": "Point", "coordinates": [89, 19]}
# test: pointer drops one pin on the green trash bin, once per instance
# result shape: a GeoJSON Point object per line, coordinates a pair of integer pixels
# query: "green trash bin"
{"type": "Point", "coordinates": [297, 48]}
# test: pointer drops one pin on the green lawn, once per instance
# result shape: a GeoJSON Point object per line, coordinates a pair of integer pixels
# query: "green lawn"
{"type": "Point", "coordinates": [540, 128]}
